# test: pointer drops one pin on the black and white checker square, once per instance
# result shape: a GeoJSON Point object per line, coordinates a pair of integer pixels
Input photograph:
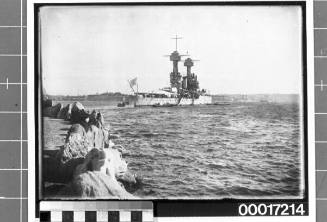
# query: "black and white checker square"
{"type": "Point", "coordinates": [96, 211]}
{"type": "Point", "coordinates": [96, 216]}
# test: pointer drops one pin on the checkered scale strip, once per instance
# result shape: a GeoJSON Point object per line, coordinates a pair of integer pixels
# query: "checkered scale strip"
{"type": "Point", "coordinates": [96, 211]}
{"type": "Point", "coordinates": [97, 216]}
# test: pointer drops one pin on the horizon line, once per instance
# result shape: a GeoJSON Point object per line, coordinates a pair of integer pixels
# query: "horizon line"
{"type": "Point", "coordinates": [214, 94]}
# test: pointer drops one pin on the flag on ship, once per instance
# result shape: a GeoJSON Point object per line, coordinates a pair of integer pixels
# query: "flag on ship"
{"type": "Point", "coordinates": [133, 82]}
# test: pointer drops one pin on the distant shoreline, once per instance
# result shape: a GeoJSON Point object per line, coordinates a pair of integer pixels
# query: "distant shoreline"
{"type": "Point", "coordinates": [117, 97]}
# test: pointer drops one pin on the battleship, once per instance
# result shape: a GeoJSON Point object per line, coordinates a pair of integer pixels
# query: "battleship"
{"type": "Point", "coordinates": [183, 90]}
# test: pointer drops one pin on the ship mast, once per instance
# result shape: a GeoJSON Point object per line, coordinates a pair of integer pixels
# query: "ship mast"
{"type": "Point", "coordinates": [175, 76]}
{"type": "Point", "coordinates": [176, 38]}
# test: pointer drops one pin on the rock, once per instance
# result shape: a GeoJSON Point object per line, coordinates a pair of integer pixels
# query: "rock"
{"type": "Point", "coordinates": [111, 144]}
{"type": "Point", "coordinates": [100, 119]}
{"type": "Point", "coordinates": [95, 136]}
{"type": "Point", "coordinates": [93, 118]}
{"type": "Point", "coordinates": [95, 160]}
{"type": "Point", "coordinates": [52, 111]}
{"type": "Point", "coordinates": [79, 142]}
{"type": "Point", "coordinates": [63, 113]}
{"type": "Point", "coordinates": [108, 160]}
{"type": "Point", "coordinates": [116, 162]}
{"type": "Point", "coordinates": [46, 103]}
{"type": "Point", "coordinates": [77, 106]}
{"type": "Point", "coordinates": [78, 113]}
{"type": "Point", "coordinates": [95, 178]}
{"type": "Point", "coordinates": [96, 119]}
{"type": "Point", "coordinates": [95, 184]}
{"type": "Point", "coordinates": [76, 145]}
{"type": "Point", "coordinates": [98, 137]}
{"type": "Point", "coordinates": [106, 137]}
{"type": "Point", "coordinates": [85, 161]}
{"type": "Point", "coordinates": [75, 132]}
{"type": "Point", "coordinates": [72, 150]}
{"type": "Point", "coordinates": [69, 112]}
{"type": "Point", "coordinates": [118, 165]}
{"type": "Point", "coordinates": [130, 181]}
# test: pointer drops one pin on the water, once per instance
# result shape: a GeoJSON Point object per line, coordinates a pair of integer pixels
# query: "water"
{"type": "Point", "coordinates": [234, 151]}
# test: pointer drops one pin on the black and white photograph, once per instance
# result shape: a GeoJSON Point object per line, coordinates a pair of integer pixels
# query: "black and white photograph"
{"type": "Point", "coordinates": [171, 102]}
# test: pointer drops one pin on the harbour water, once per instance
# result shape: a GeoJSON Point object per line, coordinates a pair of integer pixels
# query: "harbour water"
{"type": "Point", "coordinates": [241, 150]}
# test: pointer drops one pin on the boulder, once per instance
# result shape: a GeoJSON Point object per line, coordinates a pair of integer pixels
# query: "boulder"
{"type": "Point", "coordinates": [98, 137]}
{"type": "Point", "coordinates": [93, 118]}
{"type": "Point", "coordinates": [52, 111]}
{"type": "Point", "coordinates": [76, 145]}
{"type": "Point", "coordinates": [107, 160]}
{"type": "Point", "coordinates": [106, 137]}
{"type": "Point", "coordinates": [119, 167]}
{"type": "Point", "coordinates": [73, 150]}
{"type": "Point", "coordinates": [78, 113]}
{"type": "Point", "coordinates": [116, 162]}
{"type": "Point", "coordinates": [95, 177]}
{"type": "Point", "coordinates": [96, 119]}
{"type": "Point", "coordinates": [75, 132]}
{"type": "Point", "coordinates": [95, 160]}
{"type": "Point", "coordinates": [69, 112]}
{"type": "Point", "coordinates": [63, 113]}
{"type": "Point", "coordinates": [79, 142]}
{"type": "Point", "coordinates": [100, 119]}
{"type": "Point", "coordinates": [130, 181]}
{"type": "Point", "coordinates": [111, 163]}
{"type": "Point", "coordinates": [95, 184]}
{"type": "Point", "coordinates": [46, 103]}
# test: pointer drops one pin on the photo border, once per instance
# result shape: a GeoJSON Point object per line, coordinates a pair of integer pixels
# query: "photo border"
{"type": "Point", "coordinates": [182, 207]}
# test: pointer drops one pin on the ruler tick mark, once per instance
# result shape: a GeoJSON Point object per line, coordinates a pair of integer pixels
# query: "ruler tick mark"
{"type": "Point", "coordinates": [321, 85]}
{"type": "Point", "coordinates": [323, 52]}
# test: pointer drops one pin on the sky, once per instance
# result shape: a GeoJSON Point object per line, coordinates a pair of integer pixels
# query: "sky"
{"type": "Point", "coordinates": [242, 49]}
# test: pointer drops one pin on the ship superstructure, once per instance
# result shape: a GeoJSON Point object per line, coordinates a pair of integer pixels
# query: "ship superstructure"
{"type": "Point", "coordinates": [183, 90]}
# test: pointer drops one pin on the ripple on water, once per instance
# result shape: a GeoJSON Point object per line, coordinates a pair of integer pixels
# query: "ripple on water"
{"type": "Point", "coordinates": [212, 151]}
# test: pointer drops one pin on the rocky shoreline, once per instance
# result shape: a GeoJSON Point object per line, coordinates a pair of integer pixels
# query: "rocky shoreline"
{"type": "Point", "coordinates": [89, 164]}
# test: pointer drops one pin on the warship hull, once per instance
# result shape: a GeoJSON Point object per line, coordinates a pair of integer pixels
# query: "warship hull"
{"type": "Point", "coordinates": [202, 100]}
